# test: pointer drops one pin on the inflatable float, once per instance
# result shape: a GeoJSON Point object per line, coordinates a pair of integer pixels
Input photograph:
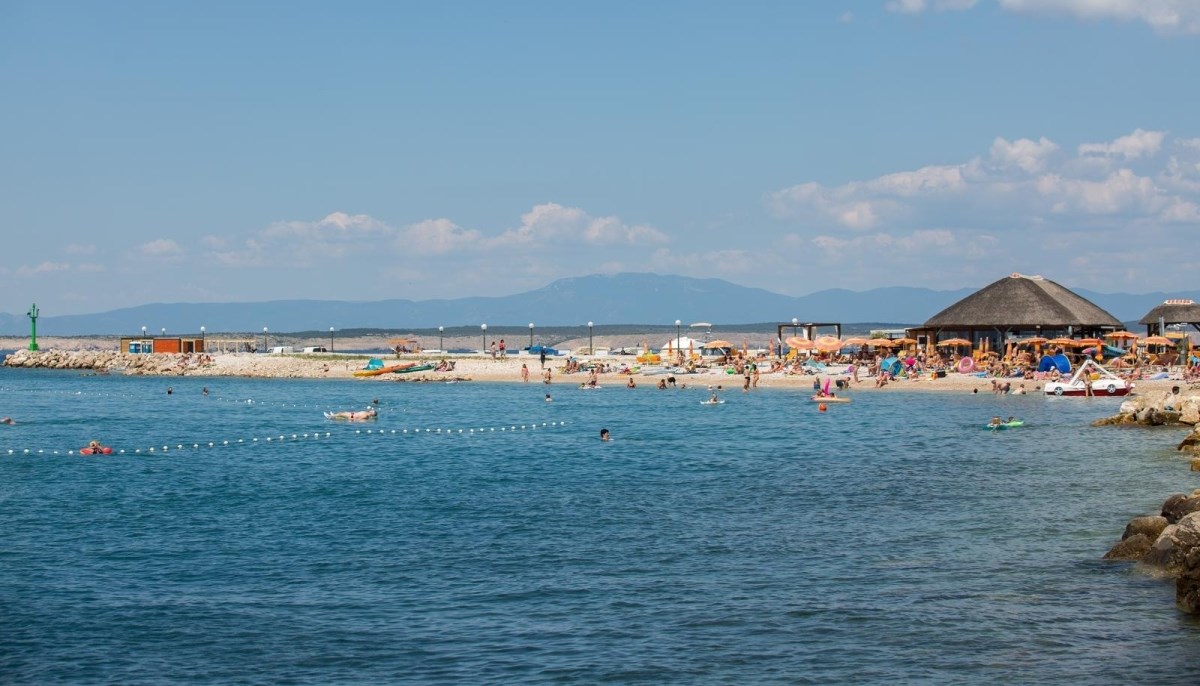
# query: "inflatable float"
{"type": "Point", "coordinates": [1004, 425]}
{"type": "Point", "coordinates": [100, 450]}
{"type": "Point", "coordinates": [712, 402]}
{"type": "Point", "coordinates": [828, 399]}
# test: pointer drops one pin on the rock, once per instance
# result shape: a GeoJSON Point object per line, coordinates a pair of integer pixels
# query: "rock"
{"type": "Point", "coordinates": [1176, 545]}
{"type": "Point", "coordinates": [1150, 526]}
{"type": "Point", "coordinates": [1178, 506]}
{"type": "Point", "coordinates": [1132, 548]}
{"type": "Point", "coordinates": [1190, 443]}
{"type": "Point", "coordinates": [1187, 594]}
{"type": "Point", "coordinates": [1189, 411]}
{"type": "Point", "coordinates": [1196, 464]}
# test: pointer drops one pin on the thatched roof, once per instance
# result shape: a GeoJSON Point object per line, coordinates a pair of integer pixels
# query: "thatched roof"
{"type": "Point", "coordinates": [1173, 312]}
{"type": "Point", "coordinates": [1024, 302]}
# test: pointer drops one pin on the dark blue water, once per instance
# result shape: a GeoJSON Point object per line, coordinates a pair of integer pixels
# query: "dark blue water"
{"type": "Point", "coordinates": [759, 541]}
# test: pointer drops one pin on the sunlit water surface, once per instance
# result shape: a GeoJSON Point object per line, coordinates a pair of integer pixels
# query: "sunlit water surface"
{"type": "Point", "coordinates": [758, 541]}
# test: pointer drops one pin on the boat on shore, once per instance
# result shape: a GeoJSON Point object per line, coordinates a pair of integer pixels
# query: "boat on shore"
{"type": "Point", "coordinates": [1090, 379]}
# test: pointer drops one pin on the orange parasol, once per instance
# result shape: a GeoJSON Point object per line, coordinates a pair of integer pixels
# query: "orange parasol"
{"type": "Point", "coordinates": [1121, 335]}
{"type": "Point", "coordinates": [797, 342]}
{"type": "Point", "coordinates": [1032, 340]}
{"type": "Point", "coordinates": [883, 342]}
{"type": "Point", "coordinates": [1176, 334]}
{"type": "Point", "coordinates": [718, 344]}
{"type": "Point", "coordinates": [857, 341]}
{"type": "Point", "coordinates": [953, 343]}
{"type": "Point", "coordinates": [1156, 340]}
{"type": "Point", "coordinates": [828, 344]}
{"type": "Point", "coordinates": [1089, 342]}
{"type": "Point", "coordinates": [1062, 341]}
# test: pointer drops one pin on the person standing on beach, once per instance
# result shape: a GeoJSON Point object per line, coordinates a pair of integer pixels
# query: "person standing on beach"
{"type": "Point", "coordinates": [524, 373]}
{"type": "Point", "coordinates": [542, 357]}
{"type": "Point", "coordinates": [503, 350]}
{"type": "Point", "coordinates": [546, 377]}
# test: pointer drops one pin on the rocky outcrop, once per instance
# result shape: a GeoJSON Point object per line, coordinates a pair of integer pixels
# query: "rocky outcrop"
{"type": "Point", "coordinates": [1169, 543]}
{"type": "Point", "coordinates": [1190, 443]}
{"type": "Point", "coordinates": [108, 361]}
{"type": "Point", "coordinates": [1166, 408]}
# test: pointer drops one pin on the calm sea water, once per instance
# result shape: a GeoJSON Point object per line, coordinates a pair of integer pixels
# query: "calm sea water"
{"type": "Point", "coordinates": [759, 541]}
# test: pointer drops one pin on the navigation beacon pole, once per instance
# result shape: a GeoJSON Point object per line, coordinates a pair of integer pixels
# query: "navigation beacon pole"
{"type": "Point", "coordinates": [33, 315]}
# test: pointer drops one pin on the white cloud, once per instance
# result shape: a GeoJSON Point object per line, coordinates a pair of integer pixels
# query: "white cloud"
{"type": "Point", "coordinates": [1028, 200]}
{"type": "Point", "coordinates": [918, 6]}
{"type": "Point", "coordinates": [1024, 154]}
{"type": "Point", "coordinates": [551, 223]}
{"type": "Point", "coordinates": [163, 247]}
{"type": "Point", "coordinates": [80, 249]}
{"type": "Point", "coordinates": [437, 237]}
{"type": "Point", "coordinates": [43, 268]}
{"type": "Point", "coordinates": [1138, 144]}
{"type": "Point", "coordinates": [847, 17]}
{"type": "Point", "coordinates": [1163, 15]}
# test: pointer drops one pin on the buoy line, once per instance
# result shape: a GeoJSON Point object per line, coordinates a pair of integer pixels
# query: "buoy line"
{"type": "Point", "coordinates": [245, 402]}
{"type": "Point", "coordinates": [295, 437]}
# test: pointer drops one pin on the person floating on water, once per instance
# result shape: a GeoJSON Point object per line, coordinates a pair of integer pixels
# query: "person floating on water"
{"type": "Point", "coordinates": [995, 423]}
{"type": "Point", "coordinates": [7, 420]}
{"type": "Point", "coordinates": [714, 400]}
{"type": "Point", "coordinates": [368, 413]}
{"type": "Point", "coordinates": [604, 435]}
{"type": "Point", "coordinates": [548, 398]}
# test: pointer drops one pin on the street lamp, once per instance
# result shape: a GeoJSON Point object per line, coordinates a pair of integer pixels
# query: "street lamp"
{"type": "Point", "coordinates": [483, 328]}
{"type": "Point", "coordinates": [164, 332]}
{"type": "Point", "coordinates": [530, 334]}
{"type": "Point", "coordinates": [265, 348]}
{"type": "Point", "coordinates": [677, 339]}
{"type": "Point", "coordinates": [441, 332]}
{"type": "Point", "coordinates": [331, 339]}
{"type": "Point", "coordinates": [202, 339]}
{"type": "Point", "coordinates": [143, 332]}
{"type": "Point", "coordinates": [591, 350]}
{"type": "Point", "coordinates": [795, 323]}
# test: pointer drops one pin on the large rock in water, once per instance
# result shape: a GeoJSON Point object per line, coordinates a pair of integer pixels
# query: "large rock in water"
{"type": "Point", "coordinates": [1133, 548]}
{"type": "Point", "coordinates": [1176, 546]}
{"type": "Point", "coordinates": [1180, 505]}
{"type": "Point", "coordinates": [1150, 527]}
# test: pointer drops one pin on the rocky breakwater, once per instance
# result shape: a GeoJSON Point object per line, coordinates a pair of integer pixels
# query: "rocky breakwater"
{"type": "Point", "coordinates": [1168, 543]}
{"type": "Point", "coordinates": [1176, 407]}
{"type": "Point", "coordinates": [108, 361]}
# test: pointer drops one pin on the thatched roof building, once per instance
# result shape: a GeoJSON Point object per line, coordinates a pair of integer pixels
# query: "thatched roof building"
{"type": "Point", "coordinates": [1019, 304]}
{"type": "Point", "coordinates": [1171, 312]}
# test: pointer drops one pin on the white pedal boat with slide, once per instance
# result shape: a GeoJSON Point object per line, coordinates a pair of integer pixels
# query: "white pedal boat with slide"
{"type": "Point", "coordinates": [1090, 379]}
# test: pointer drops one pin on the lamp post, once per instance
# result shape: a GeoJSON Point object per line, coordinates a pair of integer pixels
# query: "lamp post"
{"type": "Point", "coordinates": [441, 335]}
{"type": "Point", "coordinates": [331, 339]}
{"type": "Point", "coordinates": [143, 333]}
{"type": "Point", "coordinates": [265, 348]}
{"type": "Point", "coordinates": [530, 334]}
{"type": "Point", "coordinates": [677, 339]}
{"type": "Point", "coordinates": [483, 328]}
{"type": "Point", "coordinates": [591, 350]}
{"type": "Point", "coordinates": [201, 338]}
{"type": "Point", "coordinates": [164, 332]}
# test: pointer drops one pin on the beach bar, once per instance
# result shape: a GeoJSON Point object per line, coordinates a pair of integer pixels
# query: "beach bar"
{"type": "Point", "coordinates": [1014, 307]}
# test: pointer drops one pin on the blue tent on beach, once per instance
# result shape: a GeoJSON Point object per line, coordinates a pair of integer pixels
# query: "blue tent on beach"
{"type": "Point", "coordinates": [1052, 362]}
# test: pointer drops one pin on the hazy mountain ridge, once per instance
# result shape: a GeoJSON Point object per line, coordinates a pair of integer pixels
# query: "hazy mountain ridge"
{"type": "Point", "coordinates": [603, 299]}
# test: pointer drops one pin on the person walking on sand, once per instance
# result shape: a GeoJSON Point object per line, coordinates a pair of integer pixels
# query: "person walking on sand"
{"type": "Point", "coordinates": [503, 350]}
{"type": "Point", "coordinates": [524, 373]}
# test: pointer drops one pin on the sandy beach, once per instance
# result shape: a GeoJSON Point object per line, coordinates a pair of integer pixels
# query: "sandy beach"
{"type": "Point", "coordinates": [481, 368]}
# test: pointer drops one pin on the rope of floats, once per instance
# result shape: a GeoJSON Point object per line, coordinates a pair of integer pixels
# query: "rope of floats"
{"type": "Point", "coordinates": [295, 437]}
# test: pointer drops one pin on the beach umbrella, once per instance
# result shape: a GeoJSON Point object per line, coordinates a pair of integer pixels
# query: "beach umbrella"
{"type": "Point", "coordinates": [1062, 341]}
{"type": "Point", "coordinates": [718, 344]}
{"type": "Point", "coordinates": [953, 343]}
{"type": "Point", "coordinates": [799, 343]}
{"type": "Point", "coordinates": [1032, 340]}
{"type": "Point", "coordinates": [882, 342]}
{"type": "Point", "coordinates": [1089, 342]}
{"type": "Point", "coordinates": [905, 341]}
{"type": "Point", "coordinates": [828, 344]}
{"type": "Point", "coordinates": [1122, 335]}
{"type": "Point", "coordinates": [1178, 335]}
{"type": "Point", "coordinates": [1156, 340]}
{"type": "Point", "coordinates": [857, 341]}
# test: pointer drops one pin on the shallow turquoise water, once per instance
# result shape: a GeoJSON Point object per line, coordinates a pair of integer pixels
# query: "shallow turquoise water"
{"type": "Point", "coordinates": [758, 541]}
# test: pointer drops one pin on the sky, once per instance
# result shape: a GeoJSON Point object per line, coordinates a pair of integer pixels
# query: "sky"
{"type": "Point", "coordinates": [247, 151]}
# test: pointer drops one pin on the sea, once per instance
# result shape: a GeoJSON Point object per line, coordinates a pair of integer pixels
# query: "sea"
{"type": "Point", "coordinates": [476, 533]}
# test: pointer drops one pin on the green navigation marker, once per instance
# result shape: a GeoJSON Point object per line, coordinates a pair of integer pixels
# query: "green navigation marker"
{"type": "Point", "coordinates": [33, 315]}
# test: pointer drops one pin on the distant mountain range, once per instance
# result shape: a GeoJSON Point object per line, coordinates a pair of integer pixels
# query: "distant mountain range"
{"type": "Point", "coordinates": [603, 299]}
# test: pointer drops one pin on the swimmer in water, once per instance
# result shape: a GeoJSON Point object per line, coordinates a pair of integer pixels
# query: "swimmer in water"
{"type": "Point", "coordinates": [548, 398]}
{"type": "Point", "coordinates": [7, 420]}
{"type": "Point", "coordinates": [604, 435]}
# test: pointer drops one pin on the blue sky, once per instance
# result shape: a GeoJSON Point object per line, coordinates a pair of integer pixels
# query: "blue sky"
{"type": "Point", "coordinates": [226, 151]}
